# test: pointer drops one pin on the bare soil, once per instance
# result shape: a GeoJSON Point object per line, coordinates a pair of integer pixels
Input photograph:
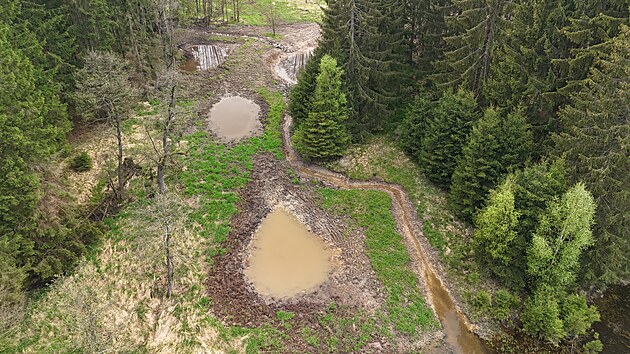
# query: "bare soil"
{"type": "Point", "coordinates": [352, 283]}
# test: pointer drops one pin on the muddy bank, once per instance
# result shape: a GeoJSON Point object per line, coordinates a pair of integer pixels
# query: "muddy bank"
{"type": "Point", "coordinates": [352, 283]}
{"type": "Point", "coordinates": [201, 57]}
{"type": "Point", "coordinates": [459, 331]}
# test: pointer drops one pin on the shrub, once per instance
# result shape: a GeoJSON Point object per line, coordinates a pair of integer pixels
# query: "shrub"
{"type": "Point", "coordinates": [502, 303]}
{"type": "Point", "coordinates": [81, 162]}
{"type": "Point", "coordinates": [481, 301]}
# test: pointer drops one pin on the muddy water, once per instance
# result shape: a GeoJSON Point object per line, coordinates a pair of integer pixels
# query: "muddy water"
{"type": "Point", "coordinates": [286, 259]}
{"type": "Point", "coordinates": [235, 118]}
{"type": "Point", "coordinates": [205, 57]}
{"type": "Point", "coordinates": [289, 67]}
{"type": "Point", "coordinates": [457, 328]}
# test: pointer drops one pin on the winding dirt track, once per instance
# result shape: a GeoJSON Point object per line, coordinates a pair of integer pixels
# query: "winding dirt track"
{"type": "Point", "coordinates": [458, 330]}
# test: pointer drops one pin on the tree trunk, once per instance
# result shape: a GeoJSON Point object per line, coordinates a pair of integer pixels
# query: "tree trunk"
{"type": "Point", "coordinates": [121, 182]}
{"type": "Point", "coordinates": [166, 144]}
{"type": "Point", "coordinates": [169, 262]}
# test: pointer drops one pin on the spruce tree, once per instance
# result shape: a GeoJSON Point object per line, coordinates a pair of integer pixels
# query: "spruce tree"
{"type": "Point", "coordinates": [589, 31]}
{"type": "Point", "coordinates": [497, 145]}
{"type": "Point", "coordinates": [414, 125]}
{"type": "Point", "coordinates": [366, 39]}
{"type": "Point", "coordinates": [477, 27]}
{"type": "Point", "coordinates": [595, 140]}
{"type": "Point", "coordinates": [323, 134]}
{"type": "Point", "coordinates": [301, 96]}
{"type": "Point", "coordinates": [524, 76]}
{"type": "Point", "coordinates": [427, 29]}
{"type": "Point", "coordinates": [446, 133]}
{"type": "Point", "coordinates": [33, 124]}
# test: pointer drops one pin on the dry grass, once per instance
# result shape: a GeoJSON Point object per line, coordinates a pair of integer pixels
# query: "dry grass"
{"type": "Point", "coordinates": [116, 301]}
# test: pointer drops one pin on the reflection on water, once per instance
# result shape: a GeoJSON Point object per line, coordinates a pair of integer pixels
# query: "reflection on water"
{"type": "Point", "coordinates": [286, 259]}
{"type": "Point", "coordinates": [205, 57]}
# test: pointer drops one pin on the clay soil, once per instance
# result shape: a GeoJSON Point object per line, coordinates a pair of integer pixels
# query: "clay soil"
{"type": "Point", "coordinates": [352, 284]}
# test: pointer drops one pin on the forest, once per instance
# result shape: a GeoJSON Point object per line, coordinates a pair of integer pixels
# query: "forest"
{"type": "Point", "coordinates": [499, 128]}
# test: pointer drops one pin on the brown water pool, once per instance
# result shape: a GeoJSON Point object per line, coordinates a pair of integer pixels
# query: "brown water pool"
{"type": "Point", "coordinates": [286, 259]}
{"type": "Point", "coordinates": [235, 118]}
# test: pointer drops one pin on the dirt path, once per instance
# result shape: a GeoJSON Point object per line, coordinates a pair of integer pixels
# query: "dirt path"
{"type": "Point", "coordinates": [458, 330]}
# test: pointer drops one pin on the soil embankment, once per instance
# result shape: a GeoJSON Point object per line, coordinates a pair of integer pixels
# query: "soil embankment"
{"type": "Point", "coordinates": [459, 331]}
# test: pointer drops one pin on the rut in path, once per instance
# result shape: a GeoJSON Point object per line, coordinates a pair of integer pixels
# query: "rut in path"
{"type": "Point", "coordinates": [457, 328]}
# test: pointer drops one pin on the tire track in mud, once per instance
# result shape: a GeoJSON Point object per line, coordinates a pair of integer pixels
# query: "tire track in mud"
{"type": "Point", "coordinates": [459, 331]}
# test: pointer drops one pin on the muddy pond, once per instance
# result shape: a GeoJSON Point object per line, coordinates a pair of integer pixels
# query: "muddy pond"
{"type": "Point", "coordinates": [286, 259]}
{"type": "Point", "coordinates": [235, 118]}
{"type": "Point", "coordinates": [205, 56]}
{"type": "Point", "coordinates": [289, 67]}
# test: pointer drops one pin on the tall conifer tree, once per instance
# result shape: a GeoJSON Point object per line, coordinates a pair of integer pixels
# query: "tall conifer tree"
{"type": "Point", "coordinates": [497, 145]}
{"type": "Point", "coordinates": [477, 27]}
{"type": "Point", "coordinates": [323, 134]}
{"type": "Point", "coordinates": [446, 133]}
{"type": "Point", "coordinates": [595, 140]}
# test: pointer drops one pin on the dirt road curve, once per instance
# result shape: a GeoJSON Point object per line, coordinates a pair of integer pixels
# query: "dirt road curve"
{"type": "Point", "coordinates": [458, 330]}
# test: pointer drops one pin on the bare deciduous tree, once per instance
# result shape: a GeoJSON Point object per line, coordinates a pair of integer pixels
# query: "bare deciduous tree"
{"type": "Point", "coordinates": [105, 93]}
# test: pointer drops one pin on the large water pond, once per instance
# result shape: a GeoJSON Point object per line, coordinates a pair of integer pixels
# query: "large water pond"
{"type": "Point", "coordinates": [286, 259]}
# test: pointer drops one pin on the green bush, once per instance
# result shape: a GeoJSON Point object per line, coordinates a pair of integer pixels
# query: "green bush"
{"type": "Point", "coordinates": [481, 301]}
{"type": "Point", "coordinates": [82, 162]}
{"type": "Point", "coordinates": [502, 303]}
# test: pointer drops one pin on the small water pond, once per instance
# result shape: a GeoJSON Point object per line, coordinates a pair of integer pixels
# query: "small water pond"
{"type": "Point", "coordinates": [205, 56]}
{"type": "Point", "coordinates": [235, 118]}
{"type": "Point", "coordinates": [286, 259]}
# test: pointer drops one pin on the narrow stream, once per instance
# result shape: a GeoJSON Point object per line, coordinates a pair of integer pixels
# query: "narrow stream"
{"type": "Point", "coordinates": [458, 330]}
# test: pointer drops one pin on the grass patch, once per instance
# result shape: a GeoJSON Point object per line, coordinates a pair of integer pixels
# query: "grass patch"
{"type": "Point", "coordinates": [380, 158]}
{"type": "Point", "coordinates": [216, 172]}
{"type": "Point", "coordinates": [286, 11]}
{"type": "Point", "coordinates": [370, 210]}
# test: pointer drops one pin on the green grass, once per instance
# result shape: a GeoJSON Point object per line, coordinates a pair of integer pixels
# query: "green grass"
{"type": "Point", "coordinates": [214, 174]}
{"type": "Point", "coordinates": [370, 210]}
{"type": "Point", "coordinates": [286, 11]}
{"type": "Point", "coordinates": [383, 160]}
